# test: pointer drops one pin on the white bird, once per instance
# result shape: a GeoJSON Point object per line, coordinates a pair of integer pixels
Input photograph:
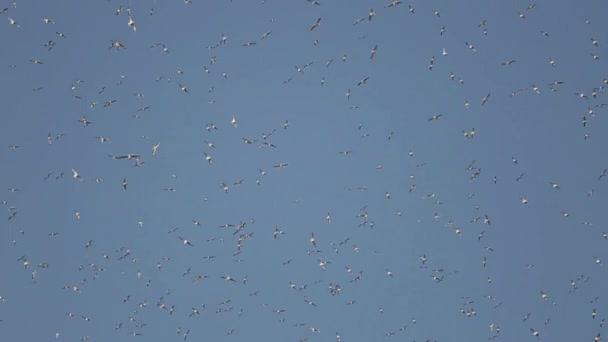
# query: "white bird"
{"type": "Point", "coordinates": [13, 22]}
{"type": "Point", "coordinates": [76, 175]}
{"type": "Point", "coordinates": [131, 24]}
{"type": "Point", "coordinates": [233, 122]}
{"type": "Point", "coordinates": [208, 158]}
{"type": "Point", "coordinates": [313, 240]}
{"type": "Point", "coordinates": [185, 241]}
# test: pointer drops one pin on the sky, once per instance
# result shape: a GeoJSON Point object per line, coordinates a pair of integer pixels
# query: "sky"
{"type": "Point", "coordinates": [303, 170]}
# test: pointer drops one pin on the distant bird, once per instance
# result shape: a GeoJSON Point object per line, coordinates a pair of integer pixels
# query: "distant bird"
{"type": "Point", "coordinates": [485, 99]}
{"type": "Point", "coordinates": [116, 44]}
{"type": "Point", "coordinates": [373, 52]}
{"type": "Point", "coordinates": [185, 242]}
{"type": "Point", "coordinates": [471, 46]}
{"type": "Point", "coordinates": [131, 24]}
{"type": "Point", "coordinates": [208, 158]}
{"type": "Point", "coordinates": [76, 175]}
{"type": "Point", "coordinates": [316, 24]}
{"type": "Point", "coordinates": [363, 81]}
{"type": "Point", "coordinates": [393, 3]}
{"type": "Point", "coordinates": [13, 22]}
{"type": "Point", "coordinates": [313, 240]}
{"type": "Point", "coordinates": [535, 333]}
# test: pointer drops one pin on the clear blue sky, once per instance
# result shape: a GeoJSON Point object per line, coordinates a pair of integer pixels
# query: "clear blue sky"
{"type": "Point", "coordinates": [423, 163]}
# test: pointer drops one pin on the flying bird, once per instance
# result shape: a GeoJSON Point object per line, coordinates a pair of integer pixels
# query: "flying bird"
{"type": "Point", "coordinates": [316, 24]}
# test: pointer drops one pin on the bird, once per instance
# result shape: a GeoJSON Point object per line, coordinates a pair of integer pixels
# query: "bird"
{"type": "Point", "coordinates": [316, 24]}
{"type": "Point", "coordinates": [471, 46]}
{"type": "Point", "coordinates": [124, 183]}
{"type": "Point", "coordinates": [208, 158]}
{"type": "Point", "coordinates": [116, 44]}
{"type": "Point", "coordinates": [76, 175]}
{"type": "Point", "coordinates": [485, 99]}
{"type": "Point", "coordinates": [372, 53]}
{"type": "Point", "coordinates": [363, 81]}
{"type": "Point", "coordinates": [313, 240]}
{"type": "Point", "coordinates": [535, 333]}
{"type": "Point", "coordinates": [131, 24]}
{"type": "Point", "coordinates": [13, 22]}
{"type": "Point", "coordinates": [155, 148]}
{"type": "Point", "coordinates": [264, 36]}
{"type": "Point", "coordinates": [185, 241]}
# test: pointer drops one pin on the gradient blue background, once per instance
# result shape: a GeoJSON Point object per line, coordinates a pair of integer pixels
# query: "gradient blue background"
{"type": "Point", "coordinates": [534, 247]}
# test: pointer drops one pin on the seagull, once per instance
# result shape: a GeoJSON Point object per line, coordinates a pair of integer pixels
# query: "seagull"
{"type": "Point", "coordinates": [131, 24]}
{"type": "Point", "coordinates": [13, 22]}
{"type": "Point", "coordinates": [485, 99]}
{"type": "Point", "coordinates": [183, 88]}
{"type": "Point", "coordinates": [208, 158]}
{"type": "Point", "coordinates": [155, 148]}
{"type": "Point", "coordinates": [373, 52]}
{"type": "Point", "coordinates": [371, 14]}
{"type": "Point", "coordinates": [313, 240]}
{"type": "Point", "coordinates": [316, 24]}
{"type": "Point", "coordinates": [124, 183]}
{"type": "Point", "coordinates": [116, 44]}
{"type": "Point", "coordinates": [508, 63]}
{"type": "Point", "coordinates": [186, 242]}
{"type": "Point", "coordinates": [233, 121]}
{"type": "Point", "coordinates": [363, 81]}
{"type": "Point", "coordinates": [535, 333]}
{"type": "Point", "coordinates": [435, 117]}
{"type": "Point", "coordinates": [103, 139]}
{"type": "Point", "coordinates": [278, 232]}
{"type": "Point", "coordinates": [393, 3]}
{"type": "Point", "coordinates": [471, 46]}
{"type": "Point", "coordinates": [76, 175]}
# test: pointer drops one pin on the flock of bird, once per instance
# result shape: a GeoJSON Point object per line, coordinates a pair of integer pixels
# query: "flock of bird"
{"type": "Point", "coordinates": [211, 190]}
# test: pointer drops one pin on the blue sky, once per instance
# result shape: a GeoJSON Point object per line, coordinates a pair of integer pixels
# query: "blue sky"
{"type": "Point", "coordinates": [410, 189]}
